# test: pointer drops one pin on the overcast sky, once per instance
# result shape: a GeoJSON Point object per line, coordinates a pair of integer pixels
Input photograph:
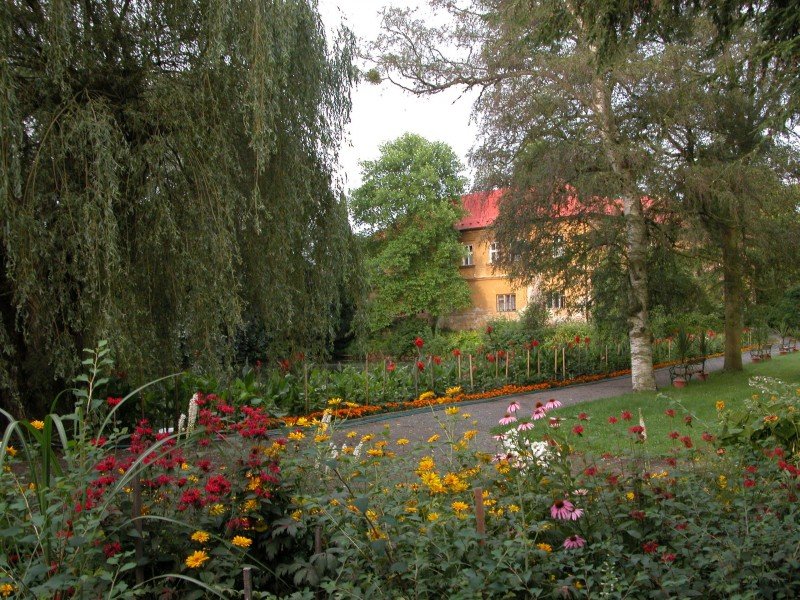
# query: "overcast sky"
{"type": "Point", "coordinates": [384, 112]}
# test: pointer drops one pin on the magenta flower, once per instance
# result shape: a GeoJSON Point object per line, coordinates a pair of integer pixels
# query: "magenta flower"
{"type": "Point", "coordinates": [513, 407]}
{"type": "Point", "coordinates": [539, 413]}
{"type": "Point", "coordinates": [525, 426]}
{"type": "Point", "coordinates": [565, 510]}
{"type": "Point", "coordinates": [508, 419]}
{"type": "Point", "coordinates": [574, 541]}
{"type": "Point", "coordinates": [552, 403]}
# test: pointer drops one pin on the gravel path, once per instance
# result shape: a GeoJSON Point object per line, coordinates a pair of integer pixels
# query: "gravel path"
{"type": "Point", "coordinates": [419, 426]}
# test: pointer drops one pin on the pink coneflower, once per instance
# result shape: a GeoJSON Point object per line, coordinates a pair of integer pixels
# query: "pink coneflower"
{"type": "Point", "coordinates": [525, 426]}
{"type": "Point", "coordinates": [573, 542]}
{"type": "Point", "coordinates": [508, 419]}
{"type": "Point", "coordinates": [499, 437]}
{"type": "Point", "coordinates": [539, 413]}
{"type": "Point", "coordinates": [565, 510]}
{"type": "Point", "coordinates": [513, 407]}
{"type": "Point", "coordinates": [552, 403]}
{"type": "Point", "coordinates": [581, 492]}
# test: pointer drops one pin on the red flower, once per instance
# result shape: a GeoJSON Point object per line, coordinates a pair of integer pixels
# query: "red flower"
{"type": "Point", "coordinates": [419, 342]}
{"type": "Point", "coordinates": [490, 357]}
{"type": "Point", "coordinates": [583, 417]}
{"type": "Point", "coordinates": [650, 547]}
{"type": "Point", "coordinates": [586, 340]}
{"type": "Point", "coordinates": [670, 412]}
{"type": "Point", "coordinates": [672, 462]}
{"type": "Point", "coordinates": [681, 526]}
{"type": "Point", "coordinates": [674, 435]}
{"type": "Point", "coordinates": [578, 430]}
{"type": "Point", "coordinates": [707, 437]}
{"type": "Point", "coordinates": [437, 360]}
{"type": "Point", "coordinates": [688, 420]}
{"type": "Point", "coordinates": [636, 429]}
{"type": "Point", "coordinates": [284, 364]}
{"type": "Point", "coordinates": [112, 402]}
{"type": "Point", "coordinates": [420, 365]}
{"type": "Point", "coordinates": [456, 352]}
{"type": "Point", "coordinates": [687, 441]}
{"type": "Point", "coordinates": [590, 471]}
{"type": "Point", "coordinates": [501, 354]}
{"type": "Point", "coordinates": [112, 549]}
{"type": "Point", "coordinates": [390, 366]}
{"type": "Point", "coordinates": [612, 419]}
{"type": "Point", "coordinates": [489, 329]}
{"type": "Point", "coordinates": [535, 343]}
{"type": "Point", "coordinates": [668, 557]}
{"type": "Point", "coordinates": [748, 483]}
{"type": "Point", "coordinates": [577, 339]}
{"type": "Point", "coordinates": [626, 415]}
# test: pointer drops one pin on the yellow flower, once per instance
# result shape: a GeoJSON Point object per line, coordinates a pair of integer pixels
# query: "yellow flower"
{"type": "Point", "coordinates": [185, 466]}
{"type": "Point", "coordinates": [513, 508]}
{"type": "Point", "coordinates": [296, 435]}
{"type": "Point", "coordinates": [196, 559]}
{"type": "Point", "coordinates": [452, 410]}
{"type": "Point", "coordinates": [433, 517]}
{"type": "Point", "coordinates": [12, 452]}
{"type": "Point", "coordinates": [303, 422]}
{"type": "Point", "coordinates": [578, 585]}
{"type": "Point", "coordinates": [470, 434]}
{"type": "Point", "coordinates": [249, 506]}
{"type": "Point", "coordinates": [216, 509]}
{"type": "Point", "coordinates": [351, 434]}
{"type": "Point", "coordinates": [770, 418]}
{"type": "Point", "coordinates": [402, 442]}
{"type": "Point", "coordinates": [334, 502]}
{"type": "Point", "coordinates": [374, 452]}
{"type": "Point", "coordinates": [427, 395]}
{"type": "Point", "coordinates": [6, 590]}
{"type": "Point", "coordinates": [452, 391]}
{"type": "Point", "coordinates": [193, 478]}
{"type": "Point", "coordinates": [502, 467]}
{"type": "Point", "coordinates": [348, 449]}
{"type": "Point", "coordinates": [410, 509]}
{"type": "Point", "coordinates": [455, 483]}
{"type": "Point", "coordinates": [201, 536]}
{"type": "Point", "coordinates": [433, 438]}
{"type": "Point", "coordinates": [375, 533]}
{"type": "Point", "coordinates": [544, 547]}
{"type": "Point", "coordinates": [426, 464]}
{"type": "Point", "coordinates": [459, 506]}
{"type": "Point", "coordinates": [366, 438]}
{"type": "Point", "coordinates": [37, 425]}
{"type": "Point", "coordinates": [297, 515]}
{"type": "Point", "coordinates": [334, 401]}
{"type": "Point", "coordinates": [722, 482]}
{"type": "Point", "coordinates": [720, 405]}
{"type": "Point", "coordinates": [241, 541]}
{"type": "Point", "coordinates": [432, 481]}
{"type": "Point", "coordinates": [630, 496]}
{"type": "Point", "coordinates": [321, 437]}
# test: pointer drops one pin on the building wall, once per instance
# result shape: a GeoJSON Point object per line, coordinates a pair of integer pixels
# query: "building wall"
{"type": "Point", "coordinates": [484, 285]}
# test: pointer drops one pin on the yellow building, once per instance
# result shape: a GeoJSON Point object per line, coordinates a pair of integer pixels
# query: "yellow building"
{"type": "Point", "coordinates": [493, 295]}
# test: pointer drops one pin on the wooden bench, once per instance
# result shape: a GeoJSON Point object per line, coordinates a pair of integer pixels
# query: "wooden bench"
{"type": "Point", "coordinates": [687, 369]}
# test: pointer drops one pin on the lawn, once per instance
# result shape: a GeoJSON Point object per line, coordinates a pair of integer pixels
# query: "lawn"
{"type": "Point", "coordinates": [698, 399]}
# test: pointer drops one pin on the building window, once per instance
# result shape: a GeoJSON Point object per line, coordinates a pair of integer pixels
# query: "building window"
{"type": "Point", "coordinates": [494, 252]}
{"type": "Point", "coordinates": [558, 246]}
{"type": "Point", "coordinates": [466, 260]}
{"type": "Point", "coordinates": [506, 302]}
{"type": "Point", "coordinates": [556, 300]}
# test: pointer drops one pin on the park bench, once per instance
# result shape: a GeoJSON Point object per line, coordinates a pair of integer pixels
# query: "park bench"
{"type": "Point", "coordinates": [687, 369]}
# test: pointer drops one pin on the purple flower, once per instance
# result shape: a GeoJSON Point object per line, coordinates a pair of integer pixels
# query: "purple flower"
{"type": "Point", "coordinates": [525, 426]}
{"type": "Point", "coordinates": [552, 403]}
{"type": "Point", "coordinates": [574, 541]}
{"type": "Point", "coordinates": [513, 407]}
{"type": "Point", "coordinates": [539, 413]}
{"type": "Point", "coordinates": [508, 419]}
{"type": "Point", "coordinates": [565, 510]}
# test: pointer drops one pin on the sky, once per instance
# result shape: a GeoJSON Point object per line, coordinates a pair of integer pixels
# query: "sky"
{"type": "Point", "coordinates": [384, 112]}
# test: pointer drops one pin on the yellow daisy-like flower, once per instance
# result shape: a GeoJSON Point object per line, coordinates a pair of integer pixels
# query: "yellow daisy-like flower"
{"type": "Point", "coordinates": [426, 463]}
{"type": "Point", "coordinates": [433, 438]}
{"type": "Point", "coordinates": [185, 466]}
{"type": "Point", "coordinates": [402, 442]}
{"type": "Point", "coordinates": [296, 436]}
{"type": "Point", "coordinates": [241, 541]}
{"type": "Point", "coordinates": [513, 508]}
{"type": "Point", "coordinates": [11, 450]}
{"type": "Point", "coordinates": [334, 401]}
{"type": "Point", "coordinates": [321, 437]}
{"type": "Point", "coordinates": [630, 496]}
{"type": "Point", "coordinates": [216, 509]}
{"type": "Point", "coordinates": [433, 517]}
{"type": "Point", "coordinates": [303, 422]}
{"type": "Point", "coordinates": [196, 559]}
{"type": "Point", "coordinates": [193, 478]}
{"type": "Point", "coordinates": [722, 482]}
{"type": "Point", "coordinates": [452, 391]}
{"type": "Point", "coordinates": [452, 410]}
{"type": "Point", "coordinates": [374, 452]}
{"type": "Point", "coordinates": [455, 483]}
{"type": "Point", "coordinates": [459, 506]}
{"type": "Point", "coordinates": [351, 434]}
{"type": "Point", "coordinates": [6, 590]}
{"type": "Point", "coordinates": [297, 515]}
{"type": "Point", "coordinates": [720, 405]}
{"type": "Point", "coordinates": [427, 396]}
{"type": "Point", "coordinates": [250, 505]}
{"type": "Point", "coordinates": [37, 425]}
{"type": "Point", "coordinates": [201, 536]}
{"type": "Point", "coordinates": [544, 547]}
{"type": "Point", "coordinates": [470, 434]}
{"type": "Point", "coordinates": [366, 438]}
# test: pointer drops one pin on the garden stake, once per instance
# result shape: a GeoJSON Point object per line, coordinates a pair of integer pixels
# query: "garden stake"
{"type": "Point", "coordinates": [136, 509]}
{"type": "Point", "coordinates": [563, 363]}
{"type": "Point", "coordinates": [459, 369]}
{"type": "Point", "coordinates": [471, 377]}
{"type": "Point", "coordinates": [480, 516]}
{"type": "Point", "coordinates": [248, 583]}
{"type": "Point", "coordinates": [528, 365]}
{"type": "Point", "coordinates": [555, 362]}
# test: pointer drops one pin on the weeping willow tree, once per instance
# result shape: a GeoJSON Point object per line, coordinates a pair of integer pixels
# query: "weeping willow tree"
{"type": "Point", "coordinates": [166, 177]}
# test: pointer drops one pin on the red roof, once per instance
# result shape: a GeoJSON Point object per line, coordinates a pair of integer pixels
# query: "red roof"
{"type": "Point", "coordinates": [483, 207]}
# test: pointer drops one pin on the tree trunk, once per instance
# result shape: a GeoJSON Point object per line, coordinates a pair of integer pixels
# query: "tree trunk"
{"type": "Point", "coordinates": [733, 296]}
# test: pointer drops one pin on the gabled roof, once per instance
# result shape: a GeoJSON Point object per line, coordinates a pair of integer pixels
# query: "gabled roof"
{"type": "Point", "coordinates": [483, 208]}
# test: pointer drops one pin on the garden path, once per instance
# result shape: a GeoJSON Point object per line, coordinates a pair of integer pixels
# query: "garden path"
{"type": "Point", "coordinates": [420, 425]}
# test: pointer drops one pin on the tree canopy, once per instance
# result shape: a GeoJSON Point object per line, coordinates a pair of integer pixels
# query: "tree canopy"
{"type": "Point", "coordinates": [165, 175]}
{"type": "Point", "coordinates": [407, 208]}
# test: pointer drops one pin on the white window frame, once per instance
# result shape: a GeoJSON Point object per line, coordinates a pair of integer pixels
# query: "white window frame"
{"type": "Point", "coordinates": [506, 302]}
{"type": "Point", "coordinates": [494, 252]}
{"type": "Point", "coordinates": [556, 300]}
{"type": "Point", "coordinates": [468, 260]}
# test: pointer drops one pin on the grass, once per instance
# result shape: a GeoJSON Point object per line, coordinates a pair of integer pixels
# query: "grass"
{"type": "Point", "coordinates": [698, 399]}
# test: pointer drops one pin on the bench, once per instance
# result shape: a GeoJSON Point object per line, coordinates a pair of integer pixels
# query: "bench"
{"type": "Point", "coordinates": [761, 352]}
{"type": "Point", "coordinates": [687, 369]}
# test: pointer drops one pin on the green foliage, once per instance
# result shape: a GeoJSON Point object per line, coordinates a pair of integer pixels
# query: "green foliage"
{"type": "Point", "coordinates": [406, 207]}
{"type": "Point", "coordinates": [166, 177]}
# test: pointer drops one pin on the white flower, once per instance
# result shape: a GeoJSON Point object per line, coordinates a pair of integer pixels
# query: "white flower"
{"type": "Point", "coordinates": [192, 419]}
{"type": "Point", "coordinates": [182, 423]}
